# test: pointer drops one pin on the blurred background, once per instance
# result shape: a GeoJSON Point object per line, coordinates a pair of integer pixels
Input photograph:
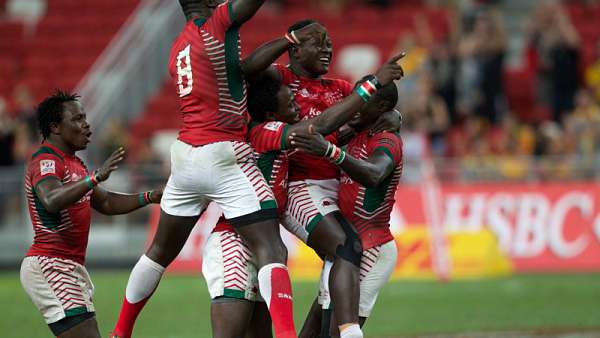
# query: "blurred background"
{"type": "Point", "coordinates": [500, 104]}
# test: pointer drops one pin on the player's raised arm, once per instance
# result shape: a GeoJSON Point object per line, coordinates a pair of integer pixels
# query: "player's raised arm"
{"type": "Point", "coordinates": [335, 116]}
{"type": "Point", "coordinates": [56, 196]}
{"type": "Point", "coordinates": [244, 10]}
{"type": "Point", "coordinates": [262, 58]}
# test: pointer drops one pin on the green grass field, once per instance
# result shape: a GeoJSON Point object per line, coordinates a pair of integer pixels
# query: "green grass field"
{"type": "Point", "coordinates": [180, 307]}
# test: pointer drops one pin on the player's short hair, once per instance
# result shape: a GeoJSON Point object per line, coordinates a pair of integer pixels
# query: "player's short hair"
{"type": "Point", "coordinates": [262, 96]}
{"type": "Point", "coordinates": [301, 24]}
{"type": "Point", "coordinates": [387, 94]}
{"type": "Point", "coordinates": [50, 110]}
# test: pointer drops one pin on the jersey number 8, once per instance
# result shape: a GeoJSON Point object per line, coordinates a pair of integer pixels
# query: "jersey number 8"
{"type": "Point", "coordinates": [184, 70]}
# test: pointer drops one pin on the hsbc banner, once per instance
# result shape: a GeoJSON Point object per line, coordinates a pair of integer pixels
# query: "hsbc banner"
{"type": "Point", "coordinates": [550, 227]}
{"type": "Point", "coordinates": [490, 230]}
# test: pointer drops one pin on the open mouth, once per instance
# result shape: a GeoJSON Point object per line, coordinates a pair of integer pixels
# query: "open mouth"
{"type": "Point", "coordinates": [325, 60]}
{"type": "Point", "coordinates": [87, 135]}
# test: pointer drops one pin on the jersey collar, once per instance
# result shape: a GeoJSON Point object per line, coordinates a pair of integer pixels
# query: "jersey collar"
{"type": "Point", "coordinates": [55, 149]}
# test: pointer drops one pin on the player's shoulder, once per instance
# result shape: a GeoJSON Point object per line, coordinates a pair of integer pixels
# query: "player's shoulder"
{"type": "Point", "coordinates": [341, 84]}
{"type": "Point", "coordinates": [386, 138]}
{"type": "Point", "coordinates": [45, 152]}
{"type": "Point", "coordinates": [272, 126]}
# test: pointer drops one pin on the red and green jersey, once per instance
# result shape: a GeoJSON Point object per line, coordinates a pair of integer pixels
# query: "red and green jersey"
{"type": "Point", "coordinates": [63, 234]}
{"type": "Point", "coordinates": [205, 68]}
{"type": "Point", "coordinates": [313, 96]}
{"type": "Point", "coordinates": [369, 209]}
{"type": "Point", "coordinates": [268, 140]}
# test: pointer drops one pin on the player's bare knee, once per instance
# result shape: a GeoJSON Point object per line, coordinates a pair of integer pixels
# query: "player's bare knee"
{"type": "Point", "coordinates": [351, 249]}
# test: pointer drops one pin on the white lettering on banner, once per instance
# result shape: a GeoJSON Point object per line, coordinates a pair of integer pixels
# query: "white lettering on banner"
{"type": "Point", "coordinates": [525, 224]}
{"type": "Point", "coordinates": [454, 220]}
{"type": "Point", "coordinates": [500, 208]}
{"type": "Point", "coordinates": [530, 236]}
{"type": "Point", "coordinates": [556, 241]}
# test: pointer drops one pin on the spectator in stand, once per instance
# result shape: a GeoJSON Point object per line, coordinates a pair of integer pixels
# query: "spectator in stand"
{"type": "Point", "coordinates": [592, 74]}
{"type": "Point", "coordinates": [430, 113]}
{"type": "Point", "coordinates": [556, 43]}
{"type": "Point", "coordinates": [443, 67]}
{"type": "Point", "coordinates": [583, 127]}
{"type": "Point", "coordinates": [482, 58]}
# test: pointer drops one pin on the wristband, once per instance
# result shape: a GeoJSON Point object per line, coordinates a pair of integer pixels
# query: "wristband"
{"type": "Point", "coordinates": [363, 93]}
{"type": "Point", "coordinates": [341, 158]}
{"type": "Point", "coordinates": [375, 81]}
{"type": "Point", "coordinates": [144, 198]}
{"type": "Point", "coordinates": [292, 38]}
{"type": "Point", "coordinates": [329, 149]}
{"type": "Point", "coordinates": [91, 181]}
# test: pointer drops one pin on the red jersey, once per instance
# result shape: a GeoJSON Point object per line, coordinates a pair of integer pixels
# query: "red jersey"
{"type": "Point", "coordinates": [63, 234]}
{"type": "Point", "coordinates": [313, 96]}
{"type": "Point", "coordinates": [369, 209]}
{"type": "Point", "coordinates": [268, 140]}
{"type": "Point", "coordinates": [205, 68]}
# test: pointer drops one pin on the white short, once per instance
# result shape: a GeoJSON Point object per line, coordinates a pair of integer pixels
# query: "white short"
{"type": "Point", "coordinates": [59, 288]}
{"type": "Point", "coordinates": [309, 201]}
{"type": "Point", "coordinates": [223, 172]}
{"type": "Point", "coordinates": [376, 267]}
{"type": "Point", "coordinates": [228, 268]}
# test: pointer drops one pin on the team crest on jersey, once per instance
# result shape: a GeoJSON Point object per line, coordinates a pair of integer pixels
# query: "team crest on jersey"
{"type": "Point", "coordinates": [47, 167]}
{"type": "Point", "coordinates": [273, 126]}
{"type": "Point", "coordinates": [304, 93]}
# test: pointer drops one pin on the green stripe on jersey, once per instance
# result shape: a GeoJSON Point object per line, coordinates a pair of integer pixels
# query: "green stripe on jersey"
{"type": "Point", "coordinates": [313, 223]}
{"type": "Point", "coordinates": [265, 164]}
{"type": "Point", "coordinates": [284, 134]}
{"type": "Point", "coordinates": [76, 311]}
{"type": "Point", "coordinates": [49, 220]}
{"type": "Point", "coordinates": [375, 196]}
{"type": "Point", "coordinates": [232, 63]}
{"type": "Point", "coordinates": [386, 151]}
{"type": "Point", "coordinates": [46, 150]}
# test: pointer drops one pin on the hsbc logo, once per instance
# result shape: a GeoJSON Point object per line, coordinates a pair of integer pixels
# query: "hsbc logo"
{"type": "Point", "coordinates": [527, 224]}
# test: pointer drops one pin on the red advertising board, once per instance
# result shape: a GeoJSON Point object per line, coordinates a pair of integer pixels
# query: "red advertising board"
{"type": "Point", "coordinates": [550, 227]}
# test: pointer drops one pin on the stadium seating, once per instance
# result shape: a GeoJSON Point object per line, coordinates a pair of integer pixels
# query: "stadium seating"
{"type": "Point", "coordinates": [65, 43]}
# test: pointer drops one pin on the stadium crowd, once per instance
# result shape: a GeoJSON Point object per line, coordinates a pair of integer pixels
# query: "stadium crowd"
{"type": "Point", "coordinates": [460, 102]}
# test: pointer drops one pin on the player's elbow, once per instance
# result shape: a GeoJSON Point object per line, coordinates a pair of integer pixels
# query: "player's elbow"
{"type": "Point", "coordinates": [374, 179]}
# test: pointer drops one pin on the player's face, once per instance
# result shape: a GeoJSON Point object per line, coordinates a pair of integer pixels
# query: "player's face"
{"type": "Point", "coordinates": [287, 110]}
{"type": "Point", "coordinates": [74, 128]}
{"type": "Point", "coordinates": [315, 54]}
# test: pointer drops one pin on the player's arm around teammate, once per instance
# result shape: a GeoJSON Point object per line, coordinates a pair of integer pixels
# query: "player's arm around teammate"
{"type": "Point", "coordinates": [371, 164]}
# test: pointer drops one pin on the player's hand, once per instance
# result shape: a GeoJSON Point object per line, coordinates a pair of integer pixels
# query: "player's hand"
{"type": "Point", "coordinates": [109, 165]}
{"type": "Point", "coordinates": [310, 142]}
{"type": "Point", "coordinates": [389, 121]}
{"type": "Point", "coordinates": [156, 196]}
{"type": "Point", "coordinates": [307, 32]}
{"type": "Point", "coordinates": [391, 70]}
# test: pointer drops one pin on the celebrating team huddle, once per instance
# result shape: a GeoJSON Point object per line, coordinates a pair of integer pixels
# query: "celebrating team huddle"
{"type": "Point", "coordinates": [263, 141]}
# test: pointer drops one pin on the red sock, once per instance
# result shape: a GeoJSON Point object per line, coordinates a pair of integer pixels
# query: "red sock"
{"type": "Point", "coordinates": [276, 289]}
{"type": "Point", "coordinates": [127, 316]}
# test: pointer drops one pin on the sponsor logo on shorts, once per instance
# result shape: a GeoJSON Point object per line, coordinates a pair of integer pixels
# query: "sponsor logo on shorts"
{"type": "Point", "coordinates": [284, 295]}
{"type": "Point", "coordinates": [47, 167]}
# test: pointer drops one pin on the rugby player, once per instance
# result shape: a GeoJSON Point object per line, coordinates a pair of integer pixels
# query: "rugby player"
{"type": "Point", "coordinates": [227, 260]}
{"type": "Point", "coordinates": [211, 161]}
{"type": "Point", "coordinates": [60, 193]}
{"type": "Point", "coordinates": [312, 212]}
{"type": "Point", "coordinates": [371, 169]}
